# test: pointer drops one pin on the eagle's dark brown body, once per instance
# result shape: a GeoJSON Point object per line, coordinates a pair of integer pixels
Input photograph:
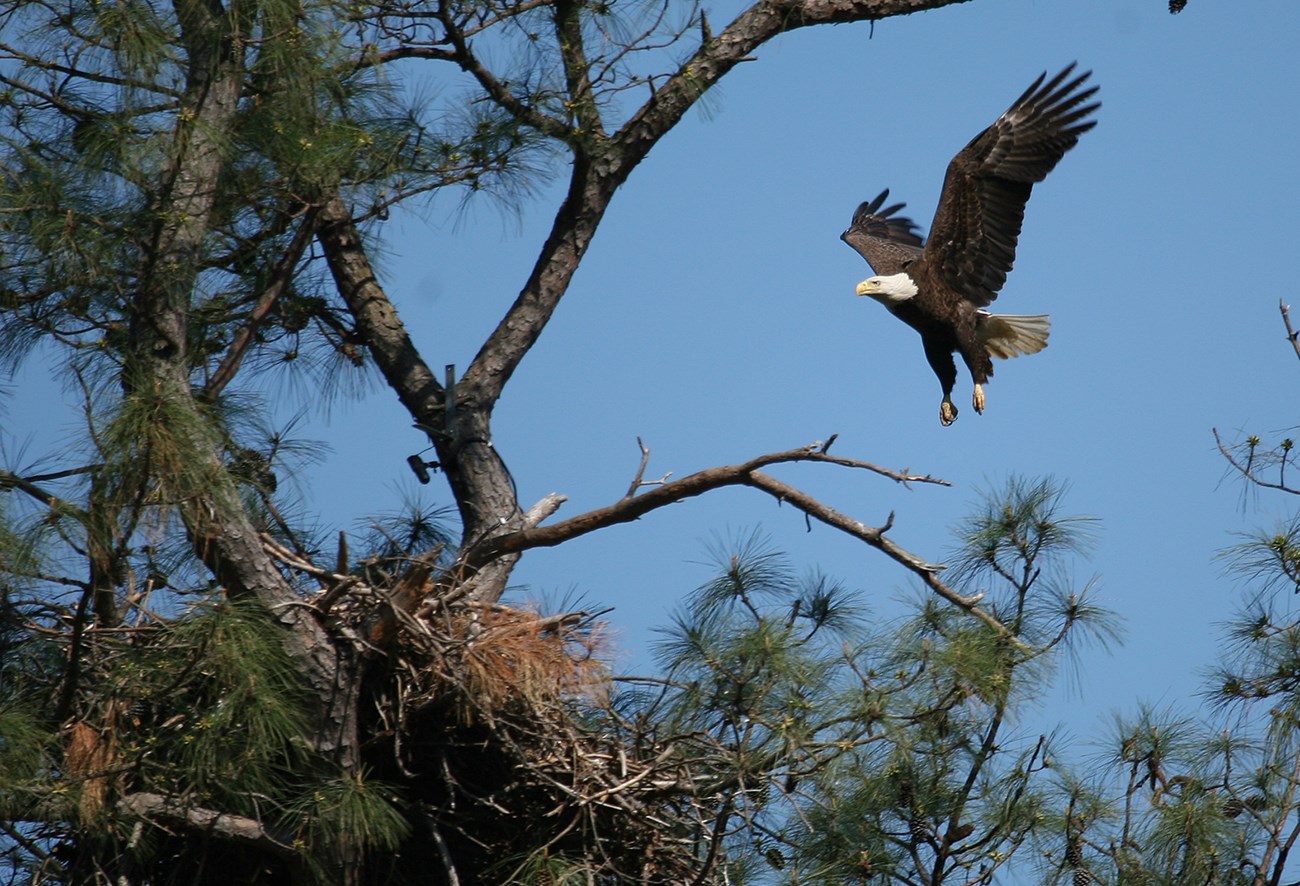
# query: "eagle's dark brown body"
{"type": "Point", "coordinates": [940, 286]}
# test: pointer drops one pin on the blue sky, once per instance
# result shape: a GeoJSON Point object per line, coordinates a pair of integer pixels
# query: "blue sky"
{"type": "Point", "coordinates": [715, 318]}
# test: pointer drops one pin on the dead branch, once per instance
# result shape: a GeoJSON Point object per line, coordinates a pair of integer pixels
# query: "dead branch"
{"type": "Point", "coordinates": [548, 505]}
{"type": "Point", "coordinates": [631, 508]}
{"type": "Point", "coordinates": [1291, 334]}
{"type": "Point", "coordinates": [279, 552]}
{"type": "Point", "coordinates": [171, 812]}
{"type": "Point", "coordinates": [640, 471]}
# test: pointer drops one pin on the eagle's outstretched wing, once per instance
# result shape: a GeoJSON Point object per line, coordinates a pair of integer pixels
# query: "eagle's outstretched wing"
{"type": "Point", "coordinates": [888, 242]}
{"type": "Point", "coordinates": [973, 239]}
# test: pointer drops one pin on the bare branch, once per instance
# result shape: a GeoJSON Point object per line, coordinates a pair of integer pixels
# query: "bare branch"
{"type": "Point", "coordinates": [171, 812]}
{"type": "Point", "coordinates": [10, 480]}
{"type": "Point", "coordinates": [927, 572]}
{"type": "Point", "coordinates": [640, 471]}
{"type": "Point", "coordinates": [591, 186]}
{"type": "Point", "coordinates": [430, 53]}
{"type": "Point", "coordinates": [1255, 455]}
{"type": "Point", "coordinates": [577, 68]}
{"type": "Point", "coordinates": [1291, 334]}
{"type": "Point", "coordinates": [548, 505]}
{"type": "Point", "coordinates": [336, 584]}
{"type": "Point", "coordinates": [602, 164]}
{"type": "Point", "coordinates": [630, 508]}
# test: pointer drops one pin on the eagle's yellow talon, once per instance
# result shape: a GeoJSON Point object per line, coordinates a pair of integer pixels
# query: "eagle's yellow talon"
{"type": "Point", "coordinates": [947, 412]}
{"type": "Point", "coordinates": [978, 400]}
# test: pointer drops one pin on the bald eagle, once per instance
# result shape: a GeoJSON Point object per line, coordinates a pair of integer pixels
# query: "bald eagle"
{"type": "Point", "coordinates": [939, 287]}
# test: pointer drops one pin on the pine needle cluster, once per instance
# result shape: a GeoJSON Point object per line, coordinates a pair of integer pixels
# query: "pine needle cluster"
{"type": "Point", "coordinates": [850, 750]}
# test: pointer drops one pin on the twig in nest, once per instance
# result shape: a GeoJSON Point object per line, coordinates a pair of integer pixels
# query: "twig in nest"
{"type": "Point", "coordinates": [331, 596]}
{"type": "Point", "coordinates": [445, 854]}
{"type": "Point", "coordinates": [336, 584]}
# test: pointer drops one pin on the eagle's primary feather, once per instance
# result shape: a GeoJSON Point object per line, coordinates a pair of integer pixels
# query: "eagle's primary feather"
{"type": "Point", "coordinates": [939, 285]}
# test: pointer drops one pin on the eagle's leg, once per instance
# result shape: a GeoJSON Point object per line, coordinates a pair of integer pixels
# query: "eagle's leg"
{"type": "Point", "coordinates": [939, 355]}
{"type": "Point", "coordinates": [977, 399]}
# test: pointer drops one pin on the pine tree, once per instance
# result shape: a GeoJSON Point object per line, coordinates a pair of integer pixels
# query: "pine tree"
{"type": "Point", "coordinates": [1211, 797]}
{"type": "Point", "coordinates": [197, 686]}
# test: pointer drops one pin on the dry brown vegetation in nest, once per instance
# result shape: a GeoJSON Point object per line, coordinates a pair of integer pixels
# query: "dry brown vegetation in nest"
{"type": "Point", "coordinates": [499, 657]}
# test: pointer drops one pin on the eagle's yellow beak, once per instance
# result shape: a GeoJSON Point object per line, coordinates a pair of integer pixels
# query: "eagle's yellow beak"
{"type": "Point", "coordinates": [864, 287]}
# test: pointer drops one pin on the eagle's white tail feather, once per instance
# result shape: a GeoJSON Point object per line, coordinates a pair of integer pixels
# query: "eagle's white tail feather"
{"type": "Point", "coordinates": [1010, 335]}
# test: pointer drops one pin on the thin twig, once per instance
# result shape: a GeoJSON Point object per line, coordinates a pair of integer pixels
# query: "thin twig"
{"type": "Point", "coordinates": [1247, 470]}
{"type": "Point", "coordinates": [640, 471]}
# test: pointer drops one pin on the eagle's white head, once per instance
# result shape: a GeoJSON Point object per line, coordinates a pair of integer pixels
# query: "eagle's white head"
{"type": "Point", "coordinates": [888, 290]}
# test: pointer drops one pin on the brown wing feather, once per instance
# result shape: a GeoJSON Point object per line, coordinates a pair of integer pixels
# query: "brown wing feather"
{"type": "Point", "coordinates": [973, 240]}
{"type": "Point", "coordinates": [887, 241]}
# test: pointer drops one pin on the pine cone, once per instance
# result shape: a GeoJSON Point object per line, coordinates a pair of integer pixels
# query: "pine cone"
{"type": "Point", "coordinates": [1074, 860]}
{"type": "Point", "coordinates": [1232, 807]}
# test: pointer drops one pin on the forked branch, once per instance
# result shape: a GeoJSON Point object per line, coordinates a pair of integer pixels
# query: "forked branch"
{"type": "Point", "coordinates": [633, 506]}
